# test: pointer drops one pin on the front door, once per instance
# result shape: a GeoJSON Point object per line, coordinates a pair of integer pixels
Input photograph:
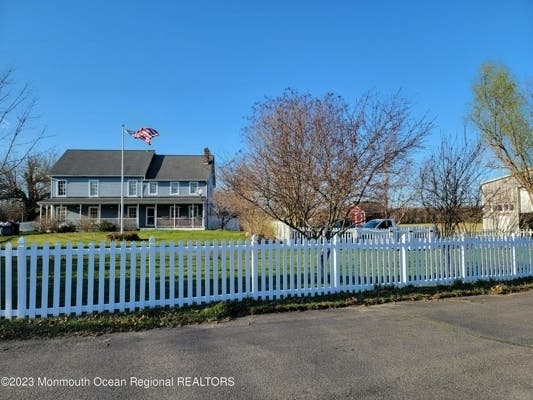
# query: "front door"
{"type": "Point", "coordinates": [150, 216]}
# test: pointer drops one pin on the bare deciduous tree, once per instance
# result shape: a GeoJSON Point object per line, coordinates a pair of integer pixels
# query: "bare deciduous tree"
{"type": "Point", "coordinates": [309, 160]}
{"type": "Point", "coordinates": [449, 182]}
{"type": "Point", "coordinates": [17, 137]}
{"type": "Point", "coordinates": [27, 183]}
{"type": "Point", "coordinates": [224, 207]}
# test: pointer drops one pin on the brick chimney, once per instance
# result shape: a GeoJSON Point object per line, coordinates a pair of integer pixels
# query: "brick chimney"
{"type": "Point", "coordinates": [207, 156]}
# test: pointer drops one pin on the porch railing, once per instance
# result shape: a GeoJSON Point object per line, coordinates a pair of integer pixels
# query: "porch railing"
{"type": "Point", "coordinates": [166, 222]}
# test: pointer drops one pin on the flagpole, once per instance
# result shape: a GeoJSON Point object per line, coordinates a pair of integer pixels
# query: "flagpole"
{"type": "Point", "coordinates": [121, 212]}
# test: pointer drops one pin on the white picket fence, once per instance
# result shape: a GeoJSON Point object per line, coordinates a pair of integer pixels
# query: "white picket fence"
{"type": "Point", "coordinates": [367, 234]}
{"type": "Point", "coordinates": [43, 281]}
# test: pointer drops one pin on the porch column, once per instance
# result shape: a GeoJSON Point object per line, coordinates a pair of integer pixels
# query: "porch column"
{"type": "Point", "coordinates": [137, 213]}
{"type": "Point", "coordinates": [80, 214]}
{"type": "Point", "coordinates": [155, 216]}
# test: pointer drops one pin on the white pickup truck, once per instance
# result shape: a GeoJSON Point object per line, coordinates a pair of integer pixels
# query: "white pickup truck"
{"type": "Point", "coordinates": [387, 229]}
{"type": "Point", "coordinates": [385, 223]}
{"type": "Point", "coordinates": [382, 228]}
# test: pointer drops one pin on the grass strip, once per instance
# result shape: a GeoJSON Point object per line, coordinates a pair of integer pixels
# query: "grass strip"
{"type": "Point", "coordinates": [102, 323]}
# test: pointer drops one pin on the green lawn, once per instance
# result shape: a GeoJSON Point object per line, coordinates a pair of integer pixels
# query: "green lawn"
{"type": "Point", "coordinates": [97, 237]}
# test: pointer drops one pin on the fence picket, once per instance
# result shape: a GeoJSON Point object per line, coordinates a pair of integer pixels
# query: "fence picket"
{"type": "Point", "coordinates": [162, 273]}
{"type": "Point", "coordinates": [239, 270]}
{"type": "Point", "coordinates": [151, 271]}
{"type": "Point", "coordinates": [181, 293]}
{"type": "Point", "coordinates": [57, 282]}
{"type": "Point", "coordinates": [263, 269]}
{"type": "Point", "coordinates": [216, 292]}
{"type": "Point", "coordinates": [198, 259]}
{"type": "Point", "coordinates": [142, 278]}
{"type": "Point", "coordinates": [133, 275]}
{"type": "Point", "coordinates": [68, 279]}
{"type": "Point", "coordinates": [79, 279]}
{"type": "Point", "coordinates": [112, 271]}
{"type": "Point", "coordinates": [207, 272]}
{"type": "Point", "coordinates": [33, 281]}
{"type": "Point", "coordinates": [189, 273]}
{"type": "Point", "coordinates": [122, 281]}
{"type": "Point", "coordinates": [254, 267]}
{"type": "Point", "coordinates": [223, 270]}
{"type": "Point", "coordinates": [9, 281]}
{"type": "Point", "coordinates": [101, 277]}
{"type": "Point", "coordinates": [231, 269]}
{"type": "Point", "coordinates": [44, 280]}
{"type": "Point", "coordinates": [171, 274]}
{"type": "Point", "coordinates": [21, 278]}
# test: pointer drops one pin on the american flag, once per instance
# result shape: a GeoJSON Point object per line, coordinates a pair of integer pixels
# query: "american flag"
{"type": "Point", "coordinates": [145, 134]}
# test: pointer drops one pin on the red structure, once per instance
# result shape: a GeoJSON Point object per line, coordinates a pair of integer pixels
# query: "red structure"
{"type": "Point", "coordinates": [357, 215]}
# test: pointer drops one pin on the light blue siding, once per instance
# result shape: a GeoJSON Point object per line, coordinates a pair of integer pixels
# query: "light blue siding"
{"type": "Point", "coordinates": [107, 187]}
{"type": "Point", "coordinates": [163, 189]}
{"type": "Point", "coordinates": [110, 187]}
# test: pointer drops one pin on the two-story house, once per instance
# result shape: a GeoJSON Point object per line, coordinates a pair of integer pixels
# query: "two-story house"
{"type": "Point", "coordinates": [159, 191]}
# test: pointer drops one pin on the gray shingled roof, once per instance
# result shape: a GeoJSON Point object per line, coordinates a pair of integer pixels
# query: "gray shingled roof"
{"type": "Point", "coordinates": [143, 163]}
{"type": "Point", "coordinates": [102, 163]}
{"type": "Point", "coordinates": [167, 167]}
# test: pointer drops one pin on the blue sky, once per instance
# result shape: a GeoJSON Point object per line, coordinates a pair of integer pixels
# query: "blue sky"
{"type": "Point", "coordinates": [193, 70]}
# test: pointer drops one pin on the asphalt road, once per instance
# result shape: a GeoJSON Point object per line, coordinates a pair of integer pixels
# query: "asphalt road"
{"type": "Point", "coordinates": [468, 348]}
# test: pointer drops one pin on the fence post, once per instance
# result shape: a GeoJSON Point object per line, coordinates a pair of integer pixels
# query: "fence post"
{"type": "Point", "coordinates": [403, 259]}
{"type": "Point", "coordinates": [253, 267]}
{"type": "Point", "coordinates": [463, 257]}
{"type": "Point", "coordinates": [9, 281]}
{"type": "Point", "coordinates": [151, 271]}
{"type": "Point", "coordinates": [335, 265]}
{"type": "Point", "coordinates": [21, 278]}
{"type": "Point", "coordinates": [513, 254]}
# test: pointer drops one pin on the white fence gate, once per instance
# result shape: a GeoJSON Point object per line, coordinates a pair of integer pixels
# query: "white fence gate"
{"type": "Point", "coordinates": [42, 281]}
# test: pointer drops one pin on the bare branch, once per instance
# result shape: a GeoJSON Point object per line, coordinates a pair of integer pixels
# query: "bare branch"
{"type": "Point", "coordinates": [17, 110]}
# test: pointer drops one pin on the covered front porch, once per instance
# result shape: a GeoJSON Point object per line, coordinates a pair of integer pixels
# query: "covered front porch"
{"type": "Point", "coordinates": [137, 213]}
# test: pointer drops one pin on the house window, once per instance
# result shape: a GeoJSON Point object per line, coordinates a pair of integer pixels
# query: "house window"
{"type": "Point", "coordinates": [193, 187]}
{"type": "Point", "coordinates": [62, 187]}
{"type": "Point", "coordinates": [132, 188]}
{"type": "Point", "coordinates": [93, 188]}
{"type": "Point", "coordinates": [93, 212]}
{"type": "Point", "coordinates": [175, 188]}
{"type": "Point", "coordinates": [132, 212]}
{"type": "Point", "coordinates": [152, 188]}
